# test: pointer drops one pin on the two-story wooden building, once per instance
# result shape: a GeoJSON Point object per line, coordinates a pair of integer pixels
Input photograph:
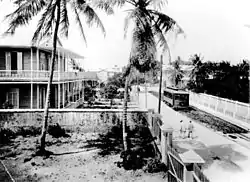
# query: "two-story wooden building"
{"type": "Point", "coordinates": [24, 73]}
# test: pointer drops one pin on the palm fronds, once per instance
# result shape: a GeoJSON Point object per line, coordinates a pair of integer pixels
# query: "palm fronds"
{"type": "Point", "coordinates": [24, 13]}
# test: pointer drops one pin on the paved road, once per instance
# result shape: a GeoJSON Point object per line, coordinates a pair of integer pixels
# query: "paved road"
{"type": "Point", "coordinates": [219, 145]}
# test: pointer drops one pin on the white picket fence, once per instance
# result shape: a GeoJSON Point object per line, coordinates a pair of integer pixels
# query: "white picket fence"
{"type": "Point", "coordinates": [234, 110]}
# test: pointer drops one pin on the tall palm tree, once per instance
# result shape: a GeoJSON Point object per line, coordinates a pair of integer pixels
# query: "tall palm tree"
{"type": "Point", "coordinates": [54, 16]}
{"type": "Point", "coordinates": [149, 27]}
{"type": "Point", "coordinates": [176, 74]}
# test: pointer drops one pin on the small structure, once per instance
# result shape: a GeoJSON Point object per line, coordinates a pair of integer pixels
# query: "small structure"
{"type": "Point", "coordinates": [190, 158]}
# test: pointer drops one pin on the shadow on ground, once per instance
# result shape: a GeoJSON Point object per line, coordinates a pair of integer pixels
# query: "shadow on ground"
{"type": "Point", "coordinates": [224, 155]}
{"type": "Point", "coordinates": [141, 153]}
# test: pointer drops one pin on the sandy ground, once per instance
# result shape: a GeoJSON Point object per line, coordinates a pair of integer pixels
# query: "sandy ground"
{"type": "Point", "coordinates": [72, 160]}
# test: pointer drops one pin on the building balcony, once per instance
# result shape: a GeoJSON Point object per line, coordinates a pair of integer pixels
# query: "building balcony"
{"type": "Point", "coordinates": [43, 76]}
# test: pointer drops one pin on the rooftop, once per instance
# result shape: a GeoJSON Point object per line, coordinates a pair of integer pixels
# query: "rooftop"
{"type": "Point", "coordinates": [191, 157]}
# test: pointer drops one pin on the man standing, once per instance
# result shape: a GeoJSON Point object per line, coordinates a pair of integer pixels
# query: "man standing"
{"type": "Point", "coordinates": [182, 129]}
{"type": "Point", "coordinates": [190, 129]}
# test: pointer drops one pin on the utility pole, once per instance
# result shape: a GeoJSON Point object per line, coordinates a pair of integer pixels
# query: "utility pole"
{"type": "Point", "coordinates": [146, 99]}
{"type": "Point", "coordinates": [160, 84]}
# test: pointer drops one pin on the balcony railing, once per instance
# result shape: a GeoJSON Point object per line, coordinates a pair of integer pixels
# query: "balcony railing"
{"type": "Point", "coordinates": [28, 75]}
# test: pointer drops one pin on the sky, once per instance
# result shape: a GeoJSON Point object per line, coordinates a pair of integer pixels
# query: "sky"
{"type": "Point", "coordinates": [213, 28]}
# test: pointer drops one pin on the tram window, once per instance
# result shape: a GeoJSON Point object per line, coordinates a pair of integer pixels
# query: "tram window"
{"type": "Point", "coordinates": [177, 97]}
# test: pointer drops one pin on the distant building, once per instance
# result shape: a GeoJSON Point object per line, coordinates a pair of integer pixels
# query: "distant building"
{"type": "Point", "coordinates": [24, 73]}
{"type": "Point", "coordinates": [104, 74]}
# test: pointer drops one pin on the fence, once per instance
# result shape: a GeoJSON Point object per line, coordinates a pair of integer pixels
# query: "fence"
{"type": "Point", "coordinates": [177, 171]}
{"type": "Point", "coordinates": [237, 111]}
{"type": "Point", "coordinates": [198, 174]}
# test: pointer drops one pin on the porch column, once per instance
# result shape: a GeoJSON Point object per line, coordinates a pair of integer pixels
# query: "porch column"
{"type": "Point", "coordinates": [79, 89]}
{"type": "Point", "coordinates": [59, 96]}
{"type": "Point", "coordinates": [73, 91]}
{"type": "Point", "coordinates": [31, 75]}
{"type": "Point", "coordinates": [59, 66]}
{"type": "Point", "coordinates": [37, 59]}
{"type": "Point", "coordinates": [37, 96]}
{"type": "Point", "coordinates": [68, 92]}
{"type": "Point", "coordinates": [63, 88]}
{"type": "Point", "coordinates": [83, 90]}
{"type": "Point", "coordinates": [31, 95]}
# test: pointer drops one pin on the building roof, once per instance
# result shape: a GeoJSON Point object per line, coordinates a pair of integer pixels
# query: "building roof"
{"type": "Point", "coordinates": [191, 157]}
{"type": "Point", "coordinates": [48, 49]}
{"type": "Point", "coordinates": [22, 39]}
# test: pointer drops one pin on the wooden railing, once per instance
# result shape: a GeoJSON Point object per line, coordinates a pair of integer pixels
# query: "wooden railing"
{"type": "Point", "coordinates": [198, 173]}
{"type": "Point", "coordinates": [41, 75]}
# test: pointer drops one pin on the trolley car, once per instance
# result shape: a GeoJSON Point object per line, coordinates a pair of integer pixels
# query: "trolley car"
{"type": "Point", "coordinates": [176, 98]}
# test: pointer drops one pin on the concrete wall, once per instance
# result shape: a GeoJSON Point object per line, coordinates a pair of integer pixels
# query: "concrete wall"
{"type": "Point", "coordinates": [236, 111]}
{"type": "Point", "coordinates": [69, 117]}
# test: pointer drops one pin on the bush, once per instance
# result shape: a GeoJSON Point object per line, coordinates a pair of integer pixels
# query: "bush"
{"type": "Point", "coordinates": [57, 131]}
{"type": "Point", "coordinates": [154, 165]}
{"type": "Point", "coordinates": [5, 135]}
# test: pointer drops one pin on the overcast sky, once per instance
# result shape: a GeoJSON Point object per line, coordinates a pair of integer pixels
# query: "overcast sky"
{"type": "Point", "coordinates": [214, 28]}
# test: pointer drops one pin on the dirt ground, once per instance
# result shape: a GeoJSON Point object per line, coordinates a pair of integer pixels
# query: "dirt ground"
{"type": "Point", "coordinates": [80, 157]}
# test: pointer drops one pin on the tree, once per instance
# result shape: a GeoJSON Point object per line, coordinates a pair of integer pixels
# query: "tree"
{"type": "Point", "coordinates": [176, 73]}
{"type": "Point", "coordinates": [54, 16]}
{"type": "Point", "coordinates": [150, 26]}
{"type": "Point", "coordinates": [198, 74]}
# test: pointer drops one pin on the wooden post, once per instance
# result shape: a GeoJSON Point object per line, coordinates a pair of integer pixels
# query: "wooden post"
{"type": "Point", "coordinates": [59, 96]}
{"type": "Point", "coordinates": [160, 85]}
{"type": "Point", "coordinates": [146, 99]}
{"type": "Point", "coordinates": [63, 88]}
{"type": "Point", "coordinates": [68, 92]}
{"type": "Point", "coordinates": [37, 96]}
{"type": "Point", "coordinates": [79, 94]}
{"type": "Point", "coordinates": [31, 74]}
{"type": "Point", "coordinates": [59, 65]}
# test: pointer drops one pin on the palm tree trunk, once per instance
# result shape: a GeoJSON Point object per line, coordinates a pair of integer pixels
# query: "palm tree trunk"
{"type": "Point", "coordinates": [46, 109]}
{"type": "Point", "coordinates": [125, 107]}
{"type": "Point", "coordinates": [160, 84]}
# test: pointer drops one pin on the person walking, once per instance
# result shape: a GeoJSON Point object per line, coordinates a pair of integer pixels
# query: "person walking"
{"type": "Point", "coordinates": [182, 129]}
{"type": "Point", "coordinates": [190, 130]}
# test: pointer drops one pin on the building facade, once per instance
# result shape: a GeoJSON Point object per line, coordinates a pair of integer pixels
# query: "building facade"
{"type": "Point", "coordinates": [105, 74]}
{"type": "Point", "coordinates": [24, 74]}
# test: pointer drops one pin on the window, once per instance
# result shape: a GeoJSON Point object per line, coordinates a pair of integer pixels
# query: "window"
{"type": "Point", "coordinates": [13, 98]}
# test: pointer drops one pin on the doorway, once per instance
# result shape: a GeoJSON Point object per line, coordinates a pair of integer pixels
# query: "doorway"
{"type": "Point", "coordinates": [13, 61]}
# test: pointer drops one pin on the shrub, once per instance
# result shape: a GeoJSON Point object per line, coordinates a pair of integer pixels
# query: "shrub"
{"type": "Point", "coordinates": [57, 131]}
{"type": "Point", "coordinates": [154, 165]}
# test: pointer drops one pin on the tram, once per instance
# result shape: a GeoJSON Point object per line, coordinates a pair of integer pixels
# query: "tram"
{"type": "Point", "coordinates": [176, 98]}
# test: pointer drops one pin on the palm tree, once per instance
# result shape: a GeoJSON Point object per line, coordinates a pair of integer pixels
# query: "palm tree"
{"type": "Point", "coordinates": [150, 26]}
{"type": "Point", "coordinates": [176, 74]}
{"type": "Point", "coordinates": [54, 16]}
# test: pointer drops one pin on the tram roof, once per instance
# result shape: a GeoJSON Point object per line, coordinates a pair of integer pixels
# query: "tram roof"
{"type": "Point", "coordinates": [175, 91]}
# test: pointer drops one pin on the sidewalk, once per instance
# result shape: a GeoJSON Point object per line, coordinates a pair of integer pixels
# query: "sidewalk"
{"type": "Point", "coordinates": [232, 153]}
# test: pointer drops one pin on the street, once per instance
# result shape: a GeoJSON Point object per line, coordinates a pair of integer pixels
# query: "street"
{"type": "Point", "coordinates": [232, 161]}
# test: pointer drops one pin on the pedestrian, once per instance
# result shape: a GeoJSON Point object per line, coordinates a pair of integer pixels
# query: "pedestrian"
{"type": "Point", "coordinates": [182, 129]}
{"type": "Point", "coordinates": [190, 129]}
